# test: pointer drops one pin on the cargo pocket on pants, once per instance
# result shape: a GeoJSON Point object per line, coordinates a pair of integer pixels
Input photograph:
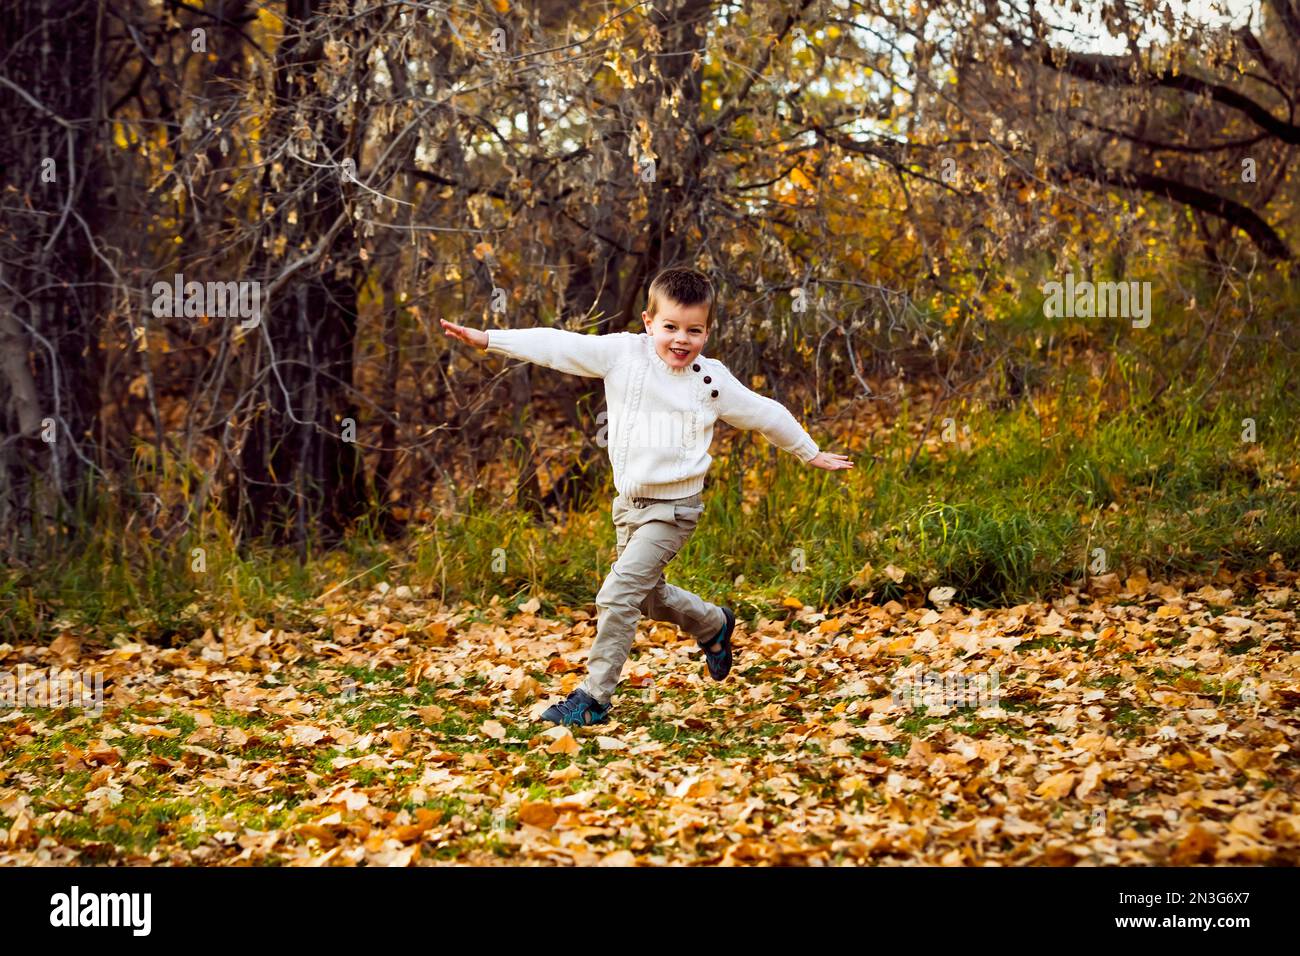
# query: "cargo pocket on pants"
{"type": "Point", "coordinates": [687, 514]}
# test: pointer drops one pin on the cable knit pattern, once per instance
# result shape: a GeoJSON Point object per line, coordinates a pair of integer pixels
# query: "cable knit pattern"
{"type": "Point", "coordinates": [660, 419]}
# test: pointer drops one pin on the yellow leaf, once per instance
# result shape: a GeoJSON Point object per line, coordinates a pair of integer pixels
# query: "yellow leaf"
{"type": "Point", "coordinates": [1092, 775]}
{"type": "Point", "coordinates": [1057, 785]}
{"type": "Point", "coordinates": [900, 645]}
{"type": "Point", "coordinates": [564, 745]}
{"type": "Point", "coordinates": [799, 179]}
{"type": "Point", "coordinates": [269, 21]}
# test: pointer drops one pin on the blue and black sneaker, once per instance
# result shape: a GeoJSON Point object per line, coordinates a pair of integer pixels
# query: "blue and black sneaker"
{"type": "Point", "coordinates": [579, 709]}
{"type": "Point", "coordinates": [719, 661]}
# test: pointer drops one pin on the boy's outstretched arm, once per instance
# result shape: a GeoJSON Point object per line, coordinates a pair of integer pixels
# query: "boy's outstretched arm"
{"type": "Point", "coordinates": [590, 356]}
{"type": "Point", "coordinates": [742, 408]}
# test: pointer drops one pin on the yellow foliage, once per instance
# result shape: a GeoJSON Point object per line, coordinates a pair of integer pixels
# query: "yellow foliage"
{"type": "Point", "coordinates": [799, 179]}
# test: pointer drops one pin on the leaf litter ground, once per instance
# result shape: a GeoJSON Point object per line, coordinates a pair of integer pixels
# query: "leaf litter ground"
{"type": "Point", "coordinates": [1137, 722]}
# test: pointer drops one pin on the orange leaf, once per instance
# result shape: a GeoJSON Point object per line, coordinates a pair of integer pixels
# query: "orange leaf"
{"type": "Point", "coordinates": [564, 745]}
{"type": "Point", "coordinates": [538, 814]}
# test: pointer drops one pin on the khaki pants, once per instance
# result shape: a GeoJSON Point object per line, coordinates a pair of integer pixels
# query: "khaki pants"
{"type": "Point", "coordinates": [649, 532]}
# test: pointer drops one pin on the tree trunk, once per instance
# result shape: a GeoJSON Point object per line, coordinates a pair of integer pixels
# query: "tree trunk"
{"type": "Point", "coordinates": [302, 478]}
{"type": "Point", "coordinates": [54, 278]}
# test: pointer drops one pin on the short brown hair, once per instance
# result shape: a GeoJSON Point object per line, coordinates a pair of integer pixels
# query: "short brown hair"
{"type": "Point", "coordinates": [683, 286]}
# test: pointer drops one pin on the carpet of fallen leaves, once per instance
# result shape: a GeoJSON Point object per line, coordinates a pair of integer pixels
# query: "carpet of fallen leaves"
{"type": "Point", "coordinates": [1138, 723]}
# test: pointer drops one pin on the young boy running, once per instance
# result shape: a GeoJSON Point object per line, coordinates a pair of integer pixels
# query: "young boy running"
{"type": "Point", "coordinates": [662, 397]}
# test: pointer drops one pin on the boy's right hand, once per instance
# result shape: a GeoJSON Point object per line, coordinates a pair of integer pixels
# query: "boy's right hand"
{"type": "Point", "coordinates": [472, 337]}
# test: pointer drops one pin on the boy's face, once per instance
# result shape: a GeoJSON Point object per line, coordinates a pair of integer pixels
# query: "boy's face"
{"type": "Point", "coordinates": [679, 331]}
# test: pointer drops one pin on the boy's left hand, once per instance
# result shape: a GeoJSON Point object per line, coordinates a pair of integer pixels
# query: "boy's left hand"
{"type": "Point", "coordinates": [830, 461]}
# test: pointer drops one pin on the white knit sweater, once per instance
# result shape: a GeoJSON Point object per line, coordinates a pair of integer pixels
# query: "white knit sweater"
{"type": "Point", "coordinates": [660, 419]}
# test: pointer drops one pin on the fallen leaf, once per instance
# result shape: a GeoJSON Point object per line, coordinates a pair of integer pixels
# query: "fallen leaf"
{"type": "Point", "coordinates": [1197, 846]}
{"type": "Point", "coordinates": [564, 744]}
{"type": "Point", "coordinates": [1056, 786]}
{"type": "Point", "coordinates": [538, 814]}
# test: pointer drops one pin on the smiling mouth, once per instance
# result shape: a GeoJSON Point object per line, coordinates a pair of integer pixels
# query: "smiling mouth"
{"type": "Point", "coordinates": [680, 353]}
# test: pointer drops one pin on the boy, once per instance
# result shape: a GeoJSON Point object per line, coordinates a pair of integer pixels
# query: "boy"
{"type": "Point", "coordinates": [663, 398]}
